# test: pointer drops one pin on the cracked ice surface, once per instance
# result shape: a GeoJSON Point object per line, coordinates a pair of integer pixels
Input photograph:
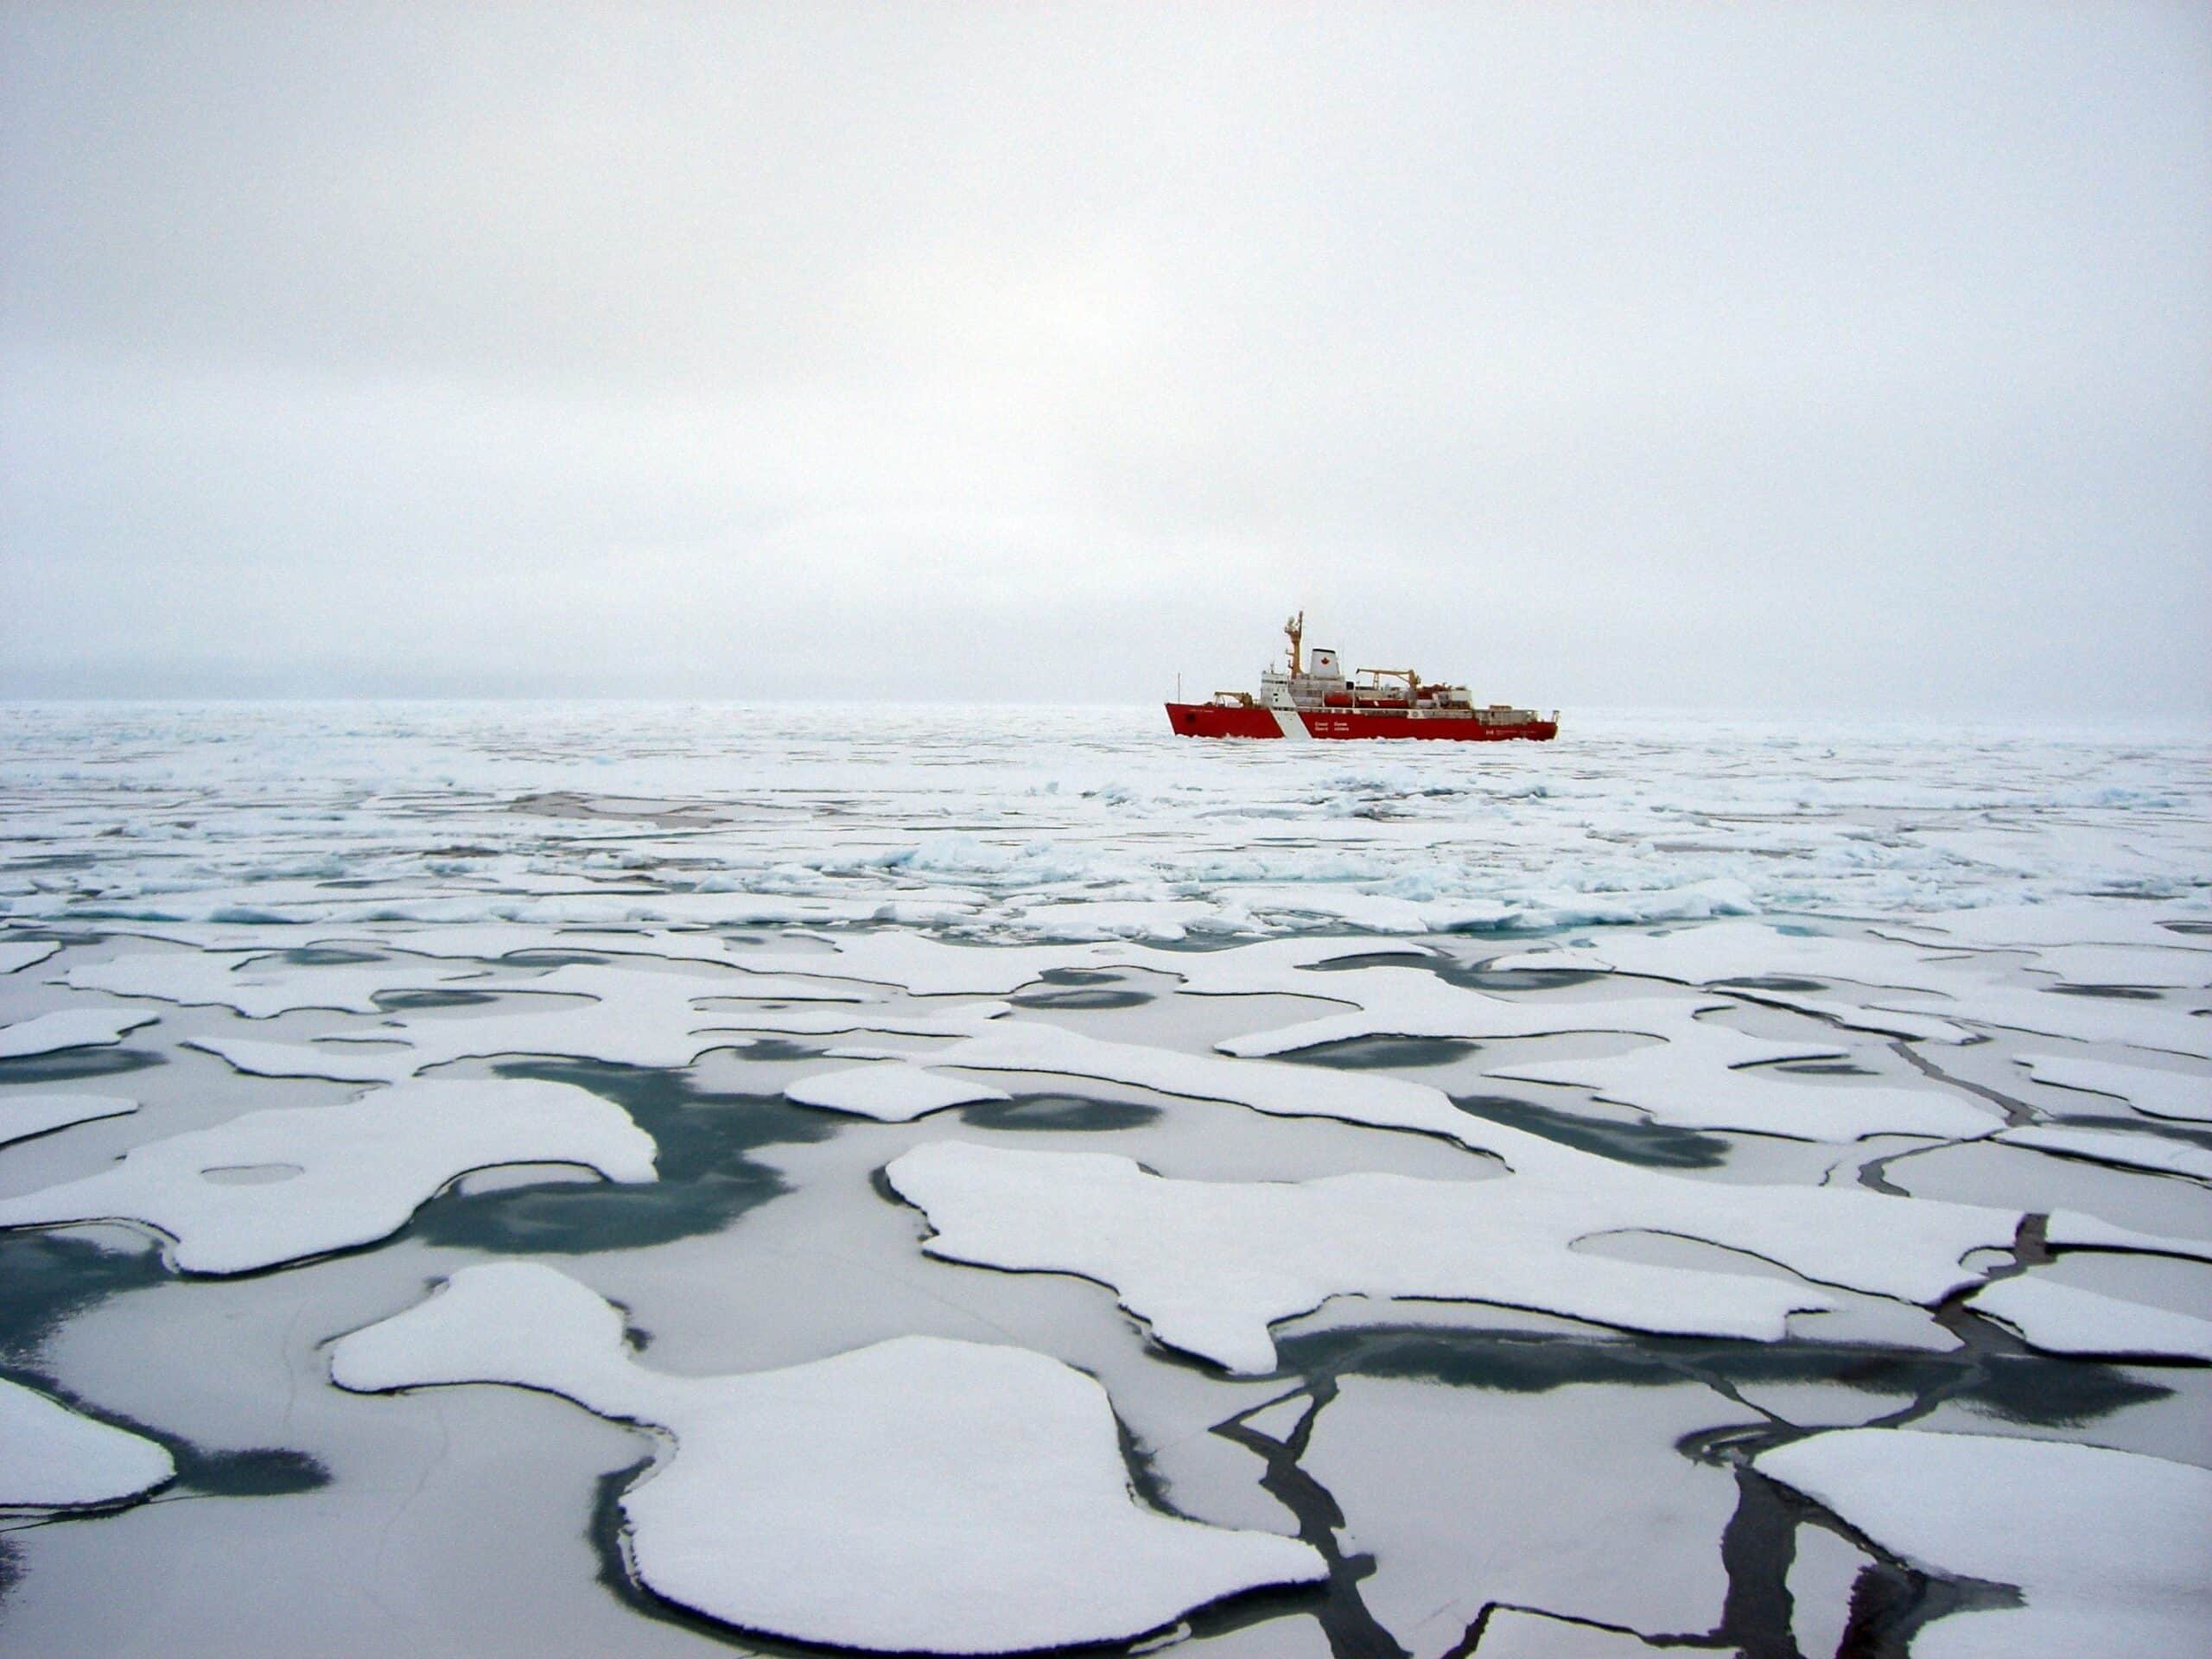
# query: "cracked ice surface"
{"type": "Point", "coordinates": [1830, 954]}
{"type": "Point", "coordinates": [1529, 1500]}
{"type": "Point", "coordinates": [1210, 1266]}
{"type": "Point", "coordinates": [54, 1458]}
{"type": "Point", "coordinates": [2108, 1548]}
{"type": "Point", "coordinates": [918, 1495]}
{"type": "Point", "coordinates": [337, 1175]}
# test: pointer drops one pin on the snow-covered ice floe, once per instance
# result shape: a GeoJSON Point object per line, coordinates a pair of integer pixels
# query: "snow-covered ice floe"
{"type": "Point", "coordinates": [920, 1495]}
{"type": "Point", "coordinates": [2157, 1093]}
{"type": "Point", "coordinates": [16, 954]}
{"type": "Point", "coordinates": [54, 1458]}
{"type": "Point", "coordinates": [1210, 1266]}
{"type": "Point", "coordinates": [2061, 1320]}
{"type": "Point", "coordinates": [257, 984]}
{"type": "Point", "coordinates": [889, 1091]}
{"type": "Point", "coordinates": [2106, 1548]}
{"type": "Point", "coordinates": [1707, 1075]}
{"type": "Point", "coordinates": [277, 1186]}
{"type": "Point", "coordinates": [24, 1116]}
{"type": "Point", "coordinates": [64, 1028]}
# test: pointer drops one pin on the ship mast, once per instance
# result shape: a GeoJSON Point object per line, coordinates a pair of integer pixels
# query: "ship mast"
{"type": "Point", "coordinates": [1296, 629]}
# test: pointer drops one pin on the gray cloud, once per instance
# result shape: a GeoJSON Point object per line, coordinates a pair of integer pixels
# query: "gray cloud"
{"type": "Point", "coordinates": [1787, 356]}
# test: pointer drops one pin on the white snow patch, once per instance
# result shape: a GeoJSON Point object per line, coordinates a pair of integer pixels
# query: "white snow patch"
{"type": "Point", "coordinates": [2135, 1150]}
{"type": "Point", "coordinates": [2055, 922]}
{"type": "Point", "coordinates": [892, 1092]}
{"type": "Point", "coordinates": [633, 1017]}
{"type": "Point", "coordinates": [258, 987]}
{"type": "Point", "coordinates": [1210, 1266]}
{"type": "Point", "coordinates": [921, 1494]}
{"type": "Point", "coordinates": [54, 1458]}
{"type": "Point", "coordinates": [366, 1165]}
{"type": "Point", "coordinates": [1834, 1006]}
{"type": "Point", "coordinates": [2061, 1320]}
{"type": "Point", "coordinates": [2160, 1093]}
{"type": "Point", "coordinates": [48, 1033]}
{"type": "Point", "coordinates": [17, 955]}
{"type": "Point", "coordinates": [2106, 1547]}
{"type": "Point", "coordinates": [356, 1062]}
{"type": "Point", "coordinates": [1709, 1076]}
{"type": "Point", "coordinates": [2138, 1024]}
{"type": "Point", "coordinates": [1271, 967]}
{"type": "Point", "coordinates": [925, 966]}
{"type": "Point", "coordinates": [2160, 967]}
{"type": "Point", "coordinates": [1909, 1248]}
{"type": "Point", "coordinates": [643, 1017]}
{"type": "Point", "coordinates": [1733, 951]}
{"type": "Point", "coordinates": [1412, 1002]}
{"type": "Point", "coordinates": [24, 1116]}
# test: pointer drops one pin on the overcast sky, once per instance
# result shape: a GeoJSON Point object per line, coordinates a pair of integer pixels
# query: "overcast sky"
{"type": "Point", "coordinates": [1786, 357]}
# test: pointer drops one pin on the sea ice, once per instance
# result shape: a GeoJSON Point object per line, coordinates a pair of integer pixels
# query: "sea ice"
{"type": "Point", "coordinates": [2151, 1025]}
{"type": "Point", "coordinates": [258, 986]}
{"type": "Point", "coordinates": [354, 1062]}
{"type": "Point", "coordinates": [922, 1494]}
{"type": "Point", "coordinates": [1907, 1249]}
{"type": "Point", "coordinates": [305, 1180]}
{"type": "Point", "coordinates": [48, 1033]}
{"type": "Point", "coordinates": [2158, 967]}
{"type": "Point", "coordinates": [1743, 949]}
{"type": "Point", "coordinates": [1411, 1002]}
{"type": "Point", "coordinates": [18, 954]}
{"type": "Point", "coordinates": [1521, 1633]}
{"type": "Point", "coordinates": [637, 1016]}
{"type": "Point", "coordinates": [1281, 1089]}
{"type": "Point", "coordinates": [1164, 919]}
{"type": "Point", "coordinates": [634, 1017]}
{"type": "Point", "coordinates": [2160, 1093]}
{"type": "Point", "coordinates": [1272, 967]}
{"type": "Point", "coordinates": [24, 1116]}
{"type": "Point", "coordinates": [2135, 1150]}
{"type": "Point", "coordinates": [1210, 1266]}
{"type": "Point", "coordinates": [2062, 1320]}
{"type": "Point", "coordinates": [1839, 1009]}
{"type": "Point", "coordinates": [922, 965]}
{"type": "Point", "coordinates": [2061, 921]}
{"type": "Point", "coordinates": [1709, 1076]}
{"type": "Point", "coordinates": [2108, 1548]}
{"type": "Point", "coordinates": [890, 1092]}
{"type": "Point", "coordinates": [54, 1458]}
{"type": "Point", "coordinates": [1573, 1499]}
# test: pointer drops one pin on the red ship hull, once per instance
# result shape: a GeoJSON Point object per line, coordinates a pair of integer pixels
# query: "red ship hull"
{"type": "Point", "coordinates": [1217, 720]}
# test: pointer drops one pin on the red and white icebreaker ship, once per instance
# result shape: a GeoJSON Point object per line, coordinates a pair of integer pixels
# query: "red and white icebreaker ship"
{"type": "Point", "coordinates": [1313, 699]}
